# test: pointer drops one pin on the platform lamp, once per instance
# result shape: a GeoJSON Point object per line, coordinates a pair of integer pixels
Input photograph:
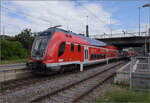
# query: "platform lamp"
{"type": "Point", "coordinates": [148, 5]}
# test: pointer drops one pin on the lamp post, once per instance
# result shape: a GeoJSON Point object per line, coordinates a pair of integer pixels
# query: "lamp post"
{"type": "Point", "coordinates": [148, 5]}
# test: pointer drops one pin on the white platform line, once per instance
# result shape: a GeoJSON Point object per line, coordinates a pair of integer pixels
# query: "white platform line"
{"type": "Point", "coordinates": [124, 67]}
{"type": "Point", "coordinates": [135, 66]}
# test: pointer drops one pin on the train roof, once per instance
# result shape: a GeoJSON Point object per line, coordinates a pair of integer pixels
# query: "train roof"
{"type": "Point", "coordinates": [92, 42]}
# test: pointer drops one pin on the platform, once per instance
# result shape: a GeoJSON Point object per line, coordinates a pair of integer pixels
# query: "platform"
{"type": "Point", "coordinates": [123, 74]}
{"type": "Point", "coordinates": [12, 66]}
{"type": "Point", "coordinates": [135, 73]}
{"type": "Point", "coordinates": [13, 71]}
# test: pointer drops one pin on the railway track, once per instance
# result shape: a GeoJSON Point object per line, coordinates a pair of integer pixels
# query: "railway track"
{"type": "Point", "coordinates": [75, 91]}
{"type": "Point", "coordinates": [11, 85]}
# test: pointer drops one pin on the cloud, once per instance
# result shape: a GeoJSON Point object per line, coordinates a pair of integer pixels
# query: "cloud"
{"type": "Point", "coordinates": [40, 15]}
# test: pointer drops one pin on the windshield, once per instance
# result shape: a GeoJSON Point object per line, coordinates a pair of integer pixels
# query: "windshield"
{"type": "Point", "coordinates": [40, 45]}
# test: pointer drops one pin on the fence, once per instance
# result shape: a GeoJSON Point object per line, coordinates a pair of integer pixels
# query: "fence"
{"type": "Point", "coordinates": [140, 73]}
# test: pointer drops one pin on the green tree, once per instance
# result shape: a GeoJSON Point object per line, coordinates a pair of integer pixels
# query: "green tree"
{"type": "Point", "coordinates": [25, 38]}
{"type": "Point", "coordinates": [12, 50]}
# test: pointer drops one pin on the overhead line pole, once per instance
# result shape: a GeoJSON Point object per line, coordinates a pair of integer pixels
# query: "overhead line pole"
{"type": "Point", "coordinates": [87, 28]}
{"type": "Point", "coordinates": [139, 20]}
{"type": "Point", "coordinates": [110, 28]}
{"type": "Point", "coordinates": [3, 32]}
{"type": "Point", "coordinates": [148, 5]}
{"type": "Point", "coordinates": [92, 13]}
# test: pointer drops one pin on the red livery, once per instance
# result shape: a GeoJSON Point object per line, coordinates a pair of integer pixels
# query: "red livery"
{"type": "Point", "coordinates": [56, 48]}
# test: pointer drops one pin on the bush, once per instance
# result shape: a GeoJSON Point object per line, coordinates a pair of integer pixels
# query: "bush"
{"type": "Point", "coordinates": [12, 50]}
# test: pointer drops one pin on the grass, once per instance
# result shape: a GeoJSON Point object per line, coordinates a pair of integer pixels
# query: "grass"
{"type": "Point", "coordinates": [122, 84]}
{"type": "Point", "coordinates": [13, 61]}
{"type": "Point", "coordinates": [122, 94]}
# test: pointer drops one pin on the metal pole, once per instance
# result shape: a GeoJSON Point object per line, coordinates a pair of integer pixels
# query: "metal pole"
{"type": "Point", "coordinates": [87, 28]}
{"type": "Point", "coordinates": [148, 5]}
{"type": "Point", "coordinates": [3, 32]}
{"type": "Point", "coordinates": [81, 67]}
{"type": "Point", "coordinates": [145, 41]}
{"type": "Point", "coordinates": [149, 29]}
{"type": "Point", "coordinates": [131, 67]}
{"type": "Point", "coordinates": [139, 21]}
{"type": "Point", "coordinates": [149, 64]}
{"type": "Point", "coordinates": [107, 56]}
{"type": "Point", "coordinates": [110, 28]}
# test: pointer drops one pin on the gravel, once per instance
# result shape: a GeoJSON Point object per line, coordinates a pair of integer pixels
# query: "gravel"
{"type": "Point", "coordinates": [27, 94]}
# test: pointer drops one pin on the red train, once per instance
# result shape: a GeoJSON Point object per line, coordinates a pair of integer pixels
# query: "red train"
{"type": "Point", "coordinates": [55, 48]}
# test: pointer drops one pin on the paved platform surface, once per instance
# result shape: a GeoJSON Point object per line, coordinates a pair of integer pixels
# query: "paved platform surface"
{"type": "Point", "coordinates": [140, 66]}
{"type": "Point", "coordinates": [12, 67]}
{"type": "Point", "coordinates": [140, 73]}
{"type": "Point", "coordinates": [125, 68]}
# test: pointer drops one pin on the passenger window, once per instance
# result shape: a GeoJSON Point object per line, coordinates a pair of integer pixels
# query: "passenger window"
{"type": "Point", "coordinates": [72, 47]}
{"type": "Point", "coordinates": [91, 56]}
{"type": "Point", "coordinates": [104, 55]}
{"type": "Point", "coordinates": [98, 56]}
{"type": "Point", "coordinates": [87, 56]}
{"type": "Point", "coordinates": [94, 56]}
{"type": "Point", "coordinates": [61, 49]}
{"type": "Point", "coordinates": [79, 48]}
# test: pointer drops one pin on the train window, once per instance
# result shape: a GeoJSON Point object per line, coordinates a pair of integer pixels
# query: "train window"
{"type": "Point", "coordinates": [101, 56]}
{"type": "Point", "coordinates": [94, 56]}
{"type": "Point", "coordinates": [72, 47]}
{"type": "Point", "coordinates": [85, 54]}
{"type": "Point", "coordinates": [61, 49]}
{"type": "Point", "coordinates": [104, 55]}
{"type": "Point", "coordinates": [91, 56]}
{"type": "Point", "coordinates": [79, 48]}
{"type": "Point", "coordinates": [98, 56]}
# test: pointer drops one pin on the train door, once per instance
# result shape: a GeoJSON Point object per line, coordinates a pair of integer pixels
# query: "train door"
{"type": "Point", "coordinates": [86, 53]}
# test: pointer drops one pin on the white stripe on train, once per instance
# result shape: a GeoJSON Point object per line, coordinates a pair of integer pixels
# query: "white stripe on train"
{"type": "Point", "coordinates": [78, 62]}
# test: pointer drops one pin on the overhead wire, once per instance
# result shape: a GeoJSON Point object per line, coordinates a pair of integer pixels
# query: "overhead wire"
{"type": "Point", "coordinates": [92, 13]}
{"type": "Point", "coordinates": [25, 14]}
{"type": "Point", "coordinates": [48, 21]}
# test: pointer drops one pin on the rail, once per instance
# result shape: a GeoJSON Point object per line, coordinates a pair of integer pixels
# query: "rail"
{"type": "Point", "coordinates": [74, 84]}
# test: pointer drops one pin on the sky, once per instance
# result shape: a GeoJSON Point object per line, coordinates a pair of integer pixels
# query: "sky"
{"type": "Point", "coordinates": [103, 15]}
